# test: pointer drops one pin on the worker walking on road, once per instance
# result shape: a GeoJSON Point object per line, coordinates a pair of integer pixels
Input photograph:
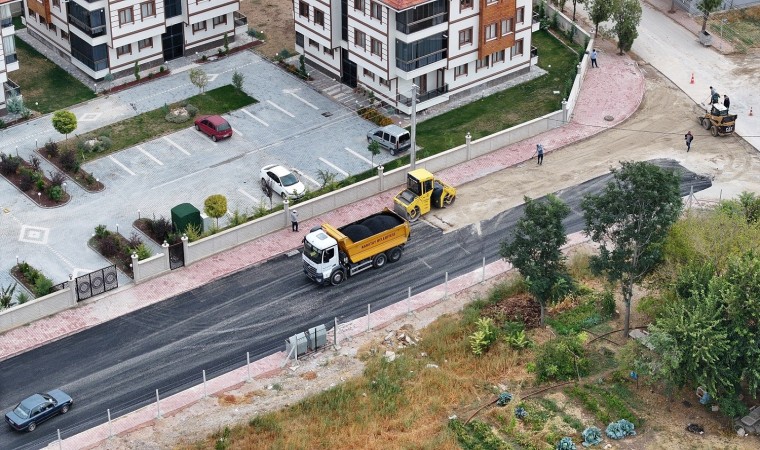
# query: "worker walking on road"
{"type": "Point", "coordinates": [688, 137]}
{"type": "Point", "coordinates": [540, 153]}
{"type": "Point", "coordinates": [294, 219]}
{"type": "Point", "coordinates": [593, 59]}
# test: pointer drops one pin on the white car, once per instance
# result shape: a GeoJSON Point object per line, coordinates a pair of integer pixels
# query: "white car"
{"type": "Point", "coordinates": [282, 182]}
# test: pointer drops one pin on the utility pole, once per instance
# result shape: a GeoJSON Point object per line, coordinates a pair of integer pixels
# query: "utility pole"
{"type": "Point", "coordinates": [413, 155]}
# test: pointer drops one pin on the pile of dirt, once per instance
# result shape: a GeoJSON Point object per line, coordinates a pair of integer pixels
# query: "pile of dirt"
{"type": "Point", "coordinates": [405, 336]}
{"type": "Point", "coordinates": [519, 308]}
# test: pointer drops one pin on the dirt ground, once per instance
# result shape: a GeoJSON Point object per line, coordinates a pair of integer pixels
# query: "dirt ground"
{"type": "Point", "coordinates": [275, 19]}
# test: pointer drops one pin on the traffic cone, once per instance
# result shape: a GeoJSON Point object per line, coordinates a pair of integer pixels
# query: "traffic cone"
{"type": "Point", "coordinates": [692, 78]}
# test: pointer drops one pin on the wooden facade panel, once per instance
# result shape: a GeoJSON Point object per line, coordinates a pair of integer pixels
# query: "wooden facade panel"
{"type": "Point", "coordinates": [494, 13]}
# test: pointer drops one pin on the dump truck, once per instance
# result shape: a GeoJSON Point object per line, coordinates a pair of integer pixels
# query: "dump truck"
{"type": "Point", "coordinates": [716, 119]}
{"type": "Point", "coordinates": [330, 255]}
{"type": "Point", "coordinates": [423, 191]}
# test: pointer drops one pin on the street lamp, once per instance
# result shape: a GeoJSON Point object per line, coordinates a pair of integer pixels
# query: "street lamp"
{"type": "Point", "coordinates": [64, 187]}
{"type": "Point", "coordinates": [413, 154]}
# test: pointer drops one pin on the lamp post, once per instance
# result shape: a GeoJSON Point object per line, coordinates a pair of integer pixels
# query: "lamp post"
{"type": "Point", "coordinates": [413, 154]}
{"type": "Point", "coordinates": [64, 187]}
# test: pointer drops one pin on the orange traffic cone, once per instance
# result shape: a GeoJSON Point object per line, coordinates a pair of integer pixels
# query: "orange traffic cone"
{"type": "Point", "coordinates": [692, 78]}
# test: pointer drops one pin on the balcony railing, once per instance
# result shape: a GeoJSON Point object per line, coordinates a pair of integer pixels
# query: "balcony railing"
{"type": "Point", "coordinates": [533, 51]}
{"type": "Point", "coordinates": [91, 31]}
{"type": "Point", "coordinates": [536, 17]}
{"type": "Point", "coordinates": [6, 22]}
{"type": "Point", "coordinates": [424, 96]}
{"type": "Point", "coordinates": [239, 19]}
{"type": "Point", "coordinates": [11, 88]}
{"type": "Point", "coordinates": [408, 66]}
{"type": "Point", "coordinates": [11, 58]}
{"type": "Point", "coordinates": [409, 28]}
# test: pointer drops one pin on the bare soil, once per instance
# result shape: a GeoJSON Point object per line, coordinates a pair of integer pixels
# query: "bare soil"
{"type": "Point", "coordinates": [655, 131]}
{"type": "Point", "coordinates": [275, 19]}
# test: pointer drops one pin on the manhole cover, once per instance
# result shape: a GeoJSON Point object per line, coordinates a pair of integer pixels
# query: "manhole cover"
{"type": "Point", "coordinates": [609, 118]}
{"type": "Point", "coordinates": [327, 114]}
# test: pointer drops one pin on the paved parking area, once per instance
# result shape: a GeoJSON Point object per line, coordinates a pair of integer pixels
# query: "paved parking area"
{"type": "Point", "coordinates": [292, 124]}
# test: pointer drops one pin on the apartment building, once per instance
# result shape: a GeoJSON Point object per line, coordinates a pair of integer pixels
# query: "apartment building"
{"type": "Point", "coordinates": [444, 47]}
{"type": "Point", "coordinates": [8, 59]}
{"type": "Point", "coordinates": [102, 36]}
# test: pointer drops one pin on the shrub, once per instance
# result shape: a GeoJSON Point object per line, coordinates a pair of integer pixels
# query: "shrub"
{"type": "Point", "coordinates": [191, 110]}
{"type": "Point", "coordinates": [607, 303]}
{"type": "Point", "coordinates": [483, 337]}
{"type": "Point", "coordinates": [134, 240]}
{"type": "Point", "coordinates": [35, 163]}
{"type": "Point", "coordinates": [237, 80]}
{"type": "Point", "coordinates": [22, 297]}
{"type": "Point", "coordinates": [2, 124]}
{"type": "Point", "coordinates": [101, 231]}
{"type": "Point", "coordinates": [69, 161]}
{"type": "Point", "coordinates": [26, 181]}
{"type": "Point", "coordinates": [56, 178]}
{"type": "Point", "coordinates": [161, 69]}
{"type": "Point", "coordinates": [563, 358]}
{"type": "Point", "coordinates": [143, 251]}
{"type": "Point", "coordinates": [9, 164]}
{"type": "Point", "coordinates": [42, 286]}
{"type": "Point", "coordinates": [40, 183]}
{"type": "Point", "coordinates": [161, 228]}
{"type": "Point", "coordinates": [55, 193]}
{"type": "Point", "coordinates": [109, 246]}
{"type": "Point", "coordinates": [193, 232]}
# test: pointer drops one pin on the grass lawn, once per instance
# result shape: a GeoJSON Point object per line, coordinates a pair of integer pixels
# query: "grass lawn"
{"type": "Point", "coordinates": [44, 83]}
{"type": "Point", "coordinates": [506, 108]}
{"type": "Point", "coordinates": [151, 124]}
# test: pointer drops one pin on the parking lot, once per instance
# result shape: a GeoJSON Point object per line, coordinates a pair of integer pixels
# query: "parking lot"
{"type": "Point", "coordinates": [292, 125]}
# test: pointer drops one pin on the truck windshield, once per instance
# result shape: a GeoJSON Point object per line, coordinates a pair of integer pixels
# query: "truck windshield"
{"type": "Point", "coordinates": [414, 185]}
{"type": "Point", "coordinates": [311, 252]}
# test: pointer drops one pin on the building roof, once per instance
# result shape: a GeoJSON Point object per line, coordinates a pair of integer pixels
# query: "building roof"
{"type": "Point", "coordinates": [8, 1]}
{"type": "Point", "coordinates": [400, 5]}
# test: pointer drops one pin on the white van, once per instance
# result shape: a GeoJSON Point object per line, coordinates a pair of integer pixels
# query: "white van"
{"type": "Point", "coordinates": [392, 137]}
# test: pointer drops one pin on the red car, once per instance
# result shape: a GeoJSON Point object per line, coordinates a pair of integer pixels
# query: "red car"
{"type": "Point", "coordinates": [214, 126]}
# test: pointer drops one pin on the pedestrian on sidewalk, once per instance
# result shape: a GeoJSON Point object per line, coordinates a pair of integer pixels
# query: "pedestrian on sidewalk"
{"type": "Point", "coordinates": [726, 102]}
{"type": "Point", "coordinates": [540, 153]}
{"type": "Point", "coordinates": [294, 219]}
{"type": "Point", "coordinates": [688, 137]}
{"type": "Point", "coordinates": [593, 59]}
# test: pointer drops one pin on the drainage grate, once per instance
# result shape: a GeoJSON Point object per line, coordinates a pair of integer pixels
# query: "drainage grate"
{"type": "Point", "coordinates": [327, 114]}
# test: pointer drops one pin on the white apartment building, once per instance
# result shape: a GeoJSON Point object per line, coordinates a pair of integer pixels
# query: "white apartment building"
{"type": "Point", "coordinates": [8, 59]}
{"type": "Point", "coordinates": [444, 47]}
{"type": "Point", "coordinates": [102, 36]}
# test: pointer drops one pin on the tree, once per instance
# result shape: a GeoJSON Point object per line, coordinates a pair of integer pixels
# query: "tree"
{"type": "Point", "coordinates": [237, 80]}
{"type": "Point", "coordinates": [599, 11]}
{"type": "Point", "coordinates": [215, 206]}
{"type": "Point", "coordinates": [199, 78]}
{"type": "Point", "coordinates": [108, 79]}
{"type": "Point", "coordinates": [374, 148]}
{"type": "Point", "coordinates": [627, 15]}
{"type": "Point", "coordinates": [535, 249]}
{"type": "Point", "coordinates": [630, 220]}
{"type": "Point", "coordinates": [64, 122]}
{"type": "Point", "coordinates": [137, 70]}
{"type": "Point", "coordinates": [6, 295]}
{"type": "Point", "coordinates": [575, 4]}
{"type": "Point", "coordinates": [707, 6]}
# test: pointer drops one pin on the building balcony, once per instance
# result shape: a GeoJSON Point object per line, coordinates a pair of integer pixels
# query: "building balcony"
{"type": "Point", "coordinates": [11, 58]}
{"type": "Point", "coordinates": [240, 21]}
{"type": "Point", "coordinates": [421, 98]}
{"type": "Point", "coordinates": [91, 31]}
{"type": "Point", "coordinates": [428, 22]}
{"type": "Point", "coordinates": [536, 25]}
{"type": "Point", "coordinates": [6, 22]}
{"type": "Point", "coordinates": [11, 89]}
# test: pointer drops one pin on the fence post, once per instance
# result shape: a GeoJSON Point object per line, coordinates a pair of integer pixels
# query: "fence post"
{"type": "Point", "coordinates": [484, 270]}
{"type": "Point", "coordinates": [335, 334]}
{"type": "Point", "coordinates": [60, 444]}
{"type": "Point", "coordinates": [165, 248]}
{"type": "Point", "coordinates": [286, 211]}
{"type": "Point", "coordinates": [409, 301]}
{"type": "Point", "coordinates": [446, 287]}
{"type": "Point", "coordinates": [110, 425]}
{"type": "Point", "coordinates": [248, 365]}
{"type": "Point", "coordinates": [564, 111]}
{"type": "Point", "coordinates": [135, 267]}
{"type": "Point", "coordinates": [186, 249]}
{"type": "Point", "coordinates": [158, 405]}
{"type": "Point", "coordinates": [204, 383]}
{"type": "Point", "coordinates": [467, 140]}
{"type": "Point", "coordinates": [381, 177]}
{"type": "Point", "coordinates": [368, 313]}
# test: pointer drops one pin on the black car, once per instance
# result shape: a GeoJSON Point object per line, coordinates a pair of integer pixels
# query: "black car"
{"type": "Point", "coordinates": [38, 408]}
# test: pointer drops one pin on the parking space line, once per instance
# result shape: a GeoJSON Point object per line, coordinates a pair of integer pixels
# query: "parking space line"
{"type": "Point", "coordinates": [255, 118]}
{"type": "Point", "coordinates": [122, 165]}
{"type": "Point", "coordinates": [301, 99]}
{"type": "Point", "coordinates": [145, 152]}
{"type": "Point", "coordinates": [310, 179]}
{"type": "Point", "coordinates": [253, 199]}
{"type": "Point", "coordinates": [177, 146]}
{"type": "Point", "coordinates": [234, 130]}
{"type": "Point", "coordinates": [204, 137]}
{"type": "Point", "coordinates": [345, 174]}
{"type": "Point", "coordinates": [359, 156]}
{"type": "Point", "coordinates": [278, 107]}
{"type": "Point", "coordinates": [180, 178]}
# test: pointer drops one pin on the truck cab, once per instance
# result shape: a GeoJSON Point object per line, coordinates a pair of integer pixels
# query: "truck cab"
{"type": "Point", "coordinates": [423, 192]}
{"type": "Point", "coordinates": [320, 257]}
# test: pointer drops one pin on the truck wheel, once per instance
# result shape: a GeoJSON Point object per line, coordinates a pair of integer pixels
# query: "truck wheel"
{"type": "Point", "coordinates": [394, 254]}
{"type": "Point", "coordinates": [714, 130]}
{"type": "Point", "coordinates": [705, 123]}
{"type": "Point", "coordinates": [379, 260]}
{"type": "Point", "coordinates": [337, 277]}
{"type": "Point", "coordinates": [448, 200]}
{"type": "Point", "coordinates": [393, 152]}
{"type": "Point", "coordinates": [414, 214]}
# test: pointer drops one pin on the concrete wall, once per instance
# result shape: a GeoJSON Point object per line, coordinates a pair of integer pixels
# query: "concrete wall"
{"type": "Point", "coordinates": [36, 309]}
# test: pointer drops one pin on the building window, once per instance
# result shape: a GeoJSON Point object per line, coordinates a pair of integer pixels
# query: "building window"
{"type": "Point", "coordinates": [497, 57]}
{"type": "Point", "coordinates": [64, 35]}
{"type": "Point", "coordinates": [172, 8]}
{"type": "Point", "coordinates": [32, 13]}
{"type": "Point", "coordinates": [200, 26]}
{"type": "Point", "coordinates": [491, 2]}
{"type": "Point", "coordinates": [369, 74]}
{"type": "Point", "coordinates": [125, 16]}
{"type": "Point", "coordinates": [360, 39]}
{"type": "Point", "coordinates": [359, 5]}
{"type": "Point", "coordinates": [123, 50]}
{"type": "Point", "coordinates": [43, 21]}
{"type": "Point", "coordinates": [386, 83]}
{"type": "Point", "coordinates": [57, 3]}
{"type": "Point", "coordinates": [147, 9]}
{"type": "Point", "coordinates": [490, 32]}
{"type": "Point", "coordinates": [327, 51]}
{"type": "Point", "coordinates": [313, 43]}
{"type": "Point", "coordinates": [219, 20]}
{"type": "Point", "coordinates": [303, 9]}
{"type": "Point", "coordinates": [520, 15]}
{"type": "Point", "coordinates": [377, 47]}
{"type": "Point", "coordinates": [465, 37]}
{"type": "Point", "coordinates": [145, 43]}
{"type": "Point", "coordinates": [464, 4]}
{"type": "Point", "coordinates": [517, 49]}
{"type": "Point", "coordinates": [52, 28]}
{"type": "Point", "coordinates": [299, 39]}
{"type": "Point", "coordinates": [481, 63]}
{"type": "Point", "coordinates": [506, 27]}
{"type": "Point", "coordinates": [319, 17]}
{"type": "Point", "coordinates": [461, 71]}
{"type": "Point", "coordinates": [376, 11]}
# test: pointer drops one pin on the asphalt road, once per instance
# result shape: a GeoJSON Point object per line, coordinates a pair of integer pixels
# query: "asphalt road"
{"type": "Point", "coordinates": [166, 346]}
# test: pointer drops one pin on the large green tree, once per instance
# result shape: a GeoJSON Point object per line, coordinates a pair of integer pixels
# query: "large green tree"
{"type": "Point", "coordinates": [627, 15]}
{"type": "Point", "coordinates": [535, 249]}
{"type": "Point", "coordinates": [64, 122]}
{"type": "Point", "coordinates": [630, 220]}
{"type": "Point", "coordinates": [599, 11]}
{"type": "Point", "coordinates": [707, 6]}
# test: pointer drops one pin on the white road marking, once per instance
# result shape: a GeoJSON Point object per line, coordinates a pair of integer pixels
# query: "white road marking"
{"type": "Point", "coordinates": [177, 146]}
{"type": "Point", "coordinates": [280, 108]}
{"type": "Point", "coordinates": [212, 76]}
{"type": "Point", "coordinates": [234, 130]}
{"type": "Point", "coordinates": [359, 156]}
{"type": "Point", "coordinates": [345, 174]}
{"type": "Point", "coordinates": [122, 166]}
{"type": "Point", "coordinates": [291, 92]}
{"type": "Point", "coordinates": [423, 262]}
{"type": "Point", "coordinates": [253, 199]}
{"type": "Point", "coordinates": [180, 178]}
{"type": "Point", "coordinates": [199, 133]}
{"type": "Point", "coordinates": [310, 179]}
{"type": "Point", "coordinates": [255, 118]}
{"type": "Point", "coordinates": [145, 152]}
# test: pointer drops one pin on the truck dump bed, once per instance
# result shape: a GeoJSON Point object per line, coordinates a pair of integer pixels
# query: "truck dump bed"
{"type": "Point", "coordinates": [371, 235]}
